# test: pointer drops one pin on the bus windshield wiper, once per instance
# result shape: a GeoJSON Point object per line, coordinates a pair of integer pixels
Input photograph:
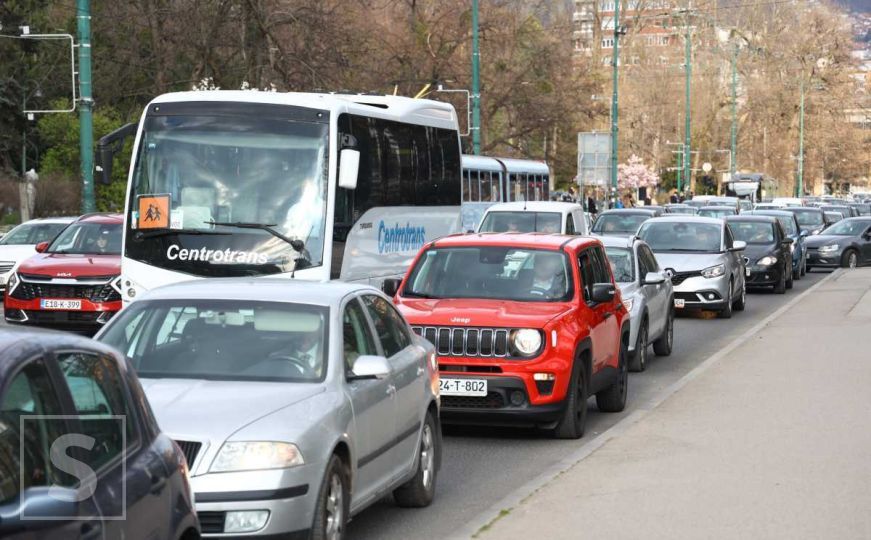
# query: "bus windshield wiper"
{"type": "Point", "coordinates": [297, 245]}
{"type": "Point", "coordinates": [140, 235]}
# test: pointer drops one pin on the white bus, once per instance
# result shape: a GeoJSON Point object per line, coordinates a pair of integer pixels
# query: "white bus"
{"type": "Point", "coordinates": [292, 185]}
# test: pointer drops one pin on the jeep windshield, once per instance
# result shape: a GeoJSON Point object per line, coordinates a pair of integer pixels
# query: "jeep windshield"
{"type": "Point", "coordinates": [205, 168]}
{"type": "Point", "coordinates": [682, 236]}
{"type": "Point", "coordinates": [520, 221]}
{"type": "Point", "coordinates": [223, 340]}
{"type": "Point", "coordinates": [502, 273]}
{"type": "Point", "coordinates": [88, 239]}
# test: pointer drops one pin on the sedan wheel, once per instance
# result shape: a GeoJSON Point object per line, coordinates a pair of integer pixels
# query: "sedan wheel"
{"type": "Point", "coordinates": [851, 260]}
{"type": "Point", "coordinates": [420, 490]}
{"type": "Point", "coordinates": [331, 512]}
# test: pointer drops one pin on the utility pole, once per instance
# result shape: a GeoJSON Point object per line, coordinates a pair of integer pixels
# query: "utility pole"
{"type": "Point", "coordinates": [86, 128]}
{"type": "Point", "coordinates": [800, 176]}
{"type": "Point", "coordinates": [476, 83]}
{"type": "Point", "coordinates": [734, 156]}
{"type": "Point", "coordinates": [615, 60]}
{"type": "Point", "coordinates": [689, 73]}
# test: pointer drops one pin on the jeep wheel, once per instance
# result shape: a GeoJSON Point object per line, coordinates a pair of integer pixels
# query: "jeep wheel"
{"type": "Point", "coordinates": [638, 361]}
{"type": "Point", "coordinates": [574, 418]}
{"type": "Point", "coordinates": [613, 398]}
{"type": "Point", "coordinates": [419, 491]}
{"type": "Point", "coordinates": [663, 345]}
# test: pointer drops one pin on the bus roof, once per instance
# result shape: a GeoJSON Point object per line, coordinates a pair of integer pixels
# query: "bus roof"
{"type": "Point", "coordinates": [481, 163]}
{"type": "Point", "coordinates": [497, 164]}
{"type": "Point", "coordinates": [399, 108]}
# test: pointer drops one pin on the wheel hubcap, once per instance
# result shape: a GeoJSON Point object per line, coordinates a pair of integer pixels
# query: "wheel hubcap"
{"type": "Point", "coordinates": [427, 457]}
{"type": "Point", "coordinates": [335, 508]}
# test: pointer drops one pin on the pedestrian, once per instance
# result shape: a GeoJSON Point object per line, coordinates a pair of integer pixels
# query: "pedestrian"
{"type": "Point", "coordinates": [647, 201]}
{"type": "Point", "coordinates": [573, 196]}
{"type": "Point", "coordinates": [674, 198]}
{"type": "Point", "coordinates": [591, 206]}
{"type": "Point", "coordinates": [619, 203]}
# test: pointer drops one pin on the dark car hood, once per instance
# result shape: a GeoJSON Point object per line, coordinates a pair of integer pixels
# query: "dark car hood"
{"type": "Point", "coordinates": [825, 239]}
{"type": "Point", "coordinates": [755, 252]}
{"type": "Point", "coordinates": [70, 265]}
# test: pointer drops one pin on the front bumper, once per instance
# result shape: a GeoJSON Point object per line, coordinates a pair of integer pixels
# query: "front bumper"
{"type": "Point", "coordinates": [701, 293]}
{"type": "Point", "coordinates": [289, 495]}
{"type": "Point", "coordinates": [91, 315]}
{"type": "Point", "coordinates": [498, 409]}
{"type": "Point", "coordinates": [825, 259]}
{"type": "Point", "coordinates": [765, 276]}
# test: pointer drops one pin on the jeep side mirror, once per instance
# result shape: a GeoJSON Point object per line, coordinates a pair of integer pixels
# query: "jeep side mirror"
{"type": "Point", "coordinates": [603, 292]}
{"type": "Point", "coordinates": [390, 286]}
{"type": "Point", "coordinates": [41, 247]}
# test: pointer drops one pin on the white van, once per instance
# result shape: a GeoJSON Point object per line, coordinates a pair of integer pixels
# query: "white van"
{"type": "Point", "coordinates": [535, 216]}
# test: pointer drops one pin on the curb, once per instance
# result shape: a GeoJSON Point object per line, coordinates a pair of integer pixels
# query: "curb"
{"type": "Point", "coordinates": [496, 511]}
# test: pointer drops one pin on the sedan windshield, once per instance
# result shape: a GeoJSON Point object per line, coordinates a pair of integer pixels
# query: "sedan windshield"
{"type": "Point", "coordinates": [546, 222]}
{"type": "Point", "coordinates": [617, 224]}
{"type": "Point", "coordinates": [752, 232]}
{"type": "Point", "coordinates": [679, 236]}
{"type": "Point", "coordinates": [847, 227]}
{"type": "Point", "coordinates": [198, 177]}
{"type": "Point", "coordinates": [88, 239]}
{"type": "Point", "coordinates": [621, 264]}
{"type": "Point", "coordinates": [223, 340]}
{"type": "Point", "coordinates": [716, 213]}
{"type": "Point", "coordinates": [521, 274]}
{"type": "Point", "coordinates": [32, 233]}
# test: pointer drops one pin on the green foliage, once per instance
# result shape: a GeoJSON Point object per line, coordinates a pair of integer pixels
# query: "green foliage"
{"type": "Point", "coordinates": [60, 134]}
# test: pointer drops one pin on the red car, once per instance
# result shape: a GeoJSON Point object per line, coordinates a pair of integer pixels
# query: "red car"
{"type": "Point", "coordinates": [526, 328]}
{"type": "Point", "coordinates": [72, 282]}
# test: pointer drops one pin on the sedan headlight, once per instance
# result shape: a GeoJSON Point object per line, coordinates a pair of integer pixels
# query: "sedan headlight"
{"type": "Point", "coordinates": [12, 283]}
{"type": "Point", "coordinates": [767, 261]}
{"type": "Point", "coordinates": [792, 248]}
{"type": "Point", "coordinates": [714, 271]}
{"type": "Point", "coordinates": [628, 303]}
{"type": "Point", "coordinates": [526, 341]}
{"type": "Point", "coordinates": [254, 456]}
{"type": "Point", "coordinates": [831, 248]}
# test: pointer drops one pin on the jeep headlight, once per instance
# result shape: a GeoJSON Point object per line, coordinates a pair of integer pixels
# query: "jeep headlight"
{"type": "Point", "coordinates": [714, 271]}
{"type": "Point", "coordinates": [526, 341]}
{"type": "Point", "coordinates": [255, 456]}
{"type": "Point", "coordinates": [767, 261]}
{"type": "Point", "coordinates": [831, 248]}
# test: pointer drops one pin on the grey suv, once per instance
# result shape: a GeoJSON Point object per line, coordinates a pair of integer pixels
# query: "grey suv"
{"type": "Point", "coordinates": [705, 263]}
{"type": "Point", "coordinates": [647, 295]}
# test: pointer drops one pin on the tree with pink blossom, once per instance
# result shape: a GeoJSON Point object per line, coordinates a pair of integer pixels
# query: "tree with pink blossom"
{"type": "Point", "coordinates": [635, 174]}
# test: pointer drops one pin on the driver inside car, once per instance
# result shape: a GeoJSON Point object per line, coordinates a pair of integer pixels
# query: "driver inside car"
{"type": "Point", "coordinates": [548, 280]}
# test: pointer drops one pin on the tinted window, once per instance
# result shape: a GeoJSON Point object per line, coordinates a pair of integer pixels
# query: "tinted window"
{"type": "Point", "coordinates": [588, 274]}
{"type": "Point", "coordinates": [811, 218]}
{"type": "Point", "coordinates": [621, 264]}
{"type": "Point", "coordinates": [753, 232]}
{"type": "Point", "coordinates": [601, 270]}
{"type": "Point", "coordinates": [356, 335]}
{"type": "Point", "coordinates": [570, 225]}
{"type": "Point", "coordinates": [29, 393]}
{"type": "Point", "coordinates": [682, 236]}
{"type": "Point", "coordinates": [89, 238]}
{"type": "Point", "coordinates": [648, 259]}
{"type": "Point", "coordinates": [96, 388]}
{"type": "Point", "coordinates": [618, 223]}
{"type": "Point", "coordinates": [389, 325]}
{"type": "Point", "coordinates": [32, 233]}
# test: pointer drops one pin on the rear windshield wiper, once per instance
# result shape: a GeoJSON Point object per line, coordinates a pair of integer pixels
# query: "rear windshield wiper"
{"type": "Point", "coordinates": [297, 245]}
{"type": "Point", "coordinates": [140, 235]}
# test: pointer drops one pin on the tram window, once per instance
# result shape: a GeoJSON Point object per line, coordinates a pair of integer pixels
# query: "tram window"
{"type": "Point", "coordinates": [475, 185]}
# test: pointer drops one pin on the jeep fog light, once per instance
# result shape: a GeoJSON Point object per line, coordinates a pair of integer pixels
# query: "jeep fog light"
{"type": "Point", "coordinates": [245, 521]}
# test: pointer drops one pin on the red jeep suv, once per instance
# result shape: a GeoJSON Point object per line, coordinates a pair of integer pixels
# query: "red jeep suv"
{"type": "Point", "coordinates": [72, 281]}
{"type": "Point", "coordinates": [526, 328]}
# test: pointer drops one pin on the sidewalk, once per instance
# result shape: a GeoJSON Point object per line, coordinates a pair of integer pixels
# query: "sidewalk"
{"type": "Point", "coordinates": [773, 441]}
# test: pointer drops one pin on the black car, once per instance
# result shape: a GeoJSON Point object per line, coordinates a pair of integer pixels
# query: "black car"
{"type": "Point", "coordinates": [842, 209]}
{"type": "Point", "coordinates": [621, 221]}
{"type": "Point", "coordinates": [847, 243]}
{"type": "Point", "coordinates": [81, 455]}
{"type": "Point", "coordinates": [862, 209]}
{"type": "Point", "coordinates": [768, 257]}
{"type": "Point", "coordinates": [811, 220]}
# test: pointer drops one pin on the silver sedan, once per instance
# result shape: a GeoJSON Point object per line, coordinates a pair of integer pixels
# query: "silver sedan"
{"type": "Point", "coordinates": [647, 295]}
{"type": "Point", "coordinates": [296, 404]}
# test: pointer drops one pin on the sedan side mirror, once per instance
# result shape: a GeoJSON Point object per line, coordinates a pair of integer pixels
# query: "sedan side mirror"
{"type": "Point", "coordinates": [653, 278]}
{"type": "Point", "coordinates": [390, 286]}
{"type": "Point", "coordinates": [41, 247]}
{"type": "Point", "coordinates": [788, 241]}
{"type": "Point", "coordinates": [369, 367]}
{"type": "Point", "coordinates": [738, 245]}
{"type": "Point", "coordinates": [603, 292]}
{"type": "Point", "coordinates": [804, 234]}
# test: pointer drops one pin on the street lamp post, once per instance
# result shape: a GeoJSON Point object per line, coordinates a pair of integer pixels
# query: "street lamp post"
{"type": "Point", "coordinates": [733, 155]}
{"type": "Point", "coordinates": [615, 60]}
{"type": "Point", "coordinates": [687, 113]}
{"type": "Point", "coordinates": [800, 176]}
{"type": "Point", "coordinates": [476, 85]}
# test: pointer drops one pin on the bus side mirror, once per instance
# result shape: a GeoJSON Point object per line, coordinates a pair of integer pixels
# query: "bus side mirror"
{"type": "Point", "coordinates": [349, 167]}
{"type": "Point", "coordinates": [108, 146]}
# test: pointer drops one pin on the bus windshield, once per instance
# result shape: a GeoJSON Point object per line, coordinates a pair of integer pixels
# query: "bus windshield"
{"type": "Point", "coordinates": [198, 177]}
